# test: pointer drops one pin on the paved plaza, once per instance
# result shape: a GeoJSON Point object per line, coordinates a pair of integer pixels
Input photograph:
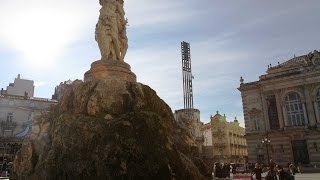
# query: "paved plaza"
{"type": "Point", "coordinates": [308, 176]}
{"type": "Point", "coordinates": [302, 176]}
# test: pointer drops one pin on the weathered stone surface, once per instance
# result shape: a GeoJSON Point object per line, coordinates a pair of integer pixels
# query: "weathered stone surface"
{"type": "Point", "coordinates": [108, 129]}
{"type": "Point", "coordinates": [111, 70]}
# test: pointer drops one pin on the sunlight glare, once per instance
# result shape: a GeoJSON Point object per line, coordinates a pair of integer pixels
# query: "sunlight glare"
{"type": "Point", "coordinates": [41, 32]}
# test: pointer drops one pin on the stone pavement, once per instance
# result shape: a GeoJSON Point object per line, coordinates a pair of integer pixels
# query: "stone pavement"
{"type": "Point", "coordinates": [307, 176]}
{"type": "Point", "coordinates": [302, 176]}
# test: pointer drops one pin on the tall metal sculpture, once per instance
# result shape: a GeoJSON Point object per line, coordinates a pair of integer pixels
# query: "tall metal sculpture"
{"type": "Point", "coordinates": [187, 77]}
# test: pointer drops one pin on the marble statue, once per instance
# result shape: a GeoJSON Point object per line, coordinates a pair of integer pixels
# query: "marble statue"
{"type": "Point", "coordinates": [111, 32]}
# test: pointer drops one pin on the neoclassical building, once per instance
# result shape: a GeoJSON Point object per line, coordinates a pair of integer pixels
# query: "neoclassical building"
{"type": "Point", "coordinates": [283, 107]}
{"type": "Point", "coordinates": [224, 141]}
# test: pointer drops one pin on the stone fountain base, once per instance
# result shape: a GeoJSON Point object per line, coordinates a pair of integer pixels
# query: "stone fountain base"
{"type": "Point", "coordinates": [111, 70]}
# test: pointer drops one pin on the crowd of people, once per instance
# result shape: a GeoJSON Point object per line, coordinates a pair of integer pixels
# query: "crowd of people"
{"type": "Point", "coordinates": [222, 170]}
{"type": "Point", "coordinates": [273, 171]}
{"type": "Point", "coordinates": [276, 171]}
{"type": "Point", "coordinates": [7, 151]}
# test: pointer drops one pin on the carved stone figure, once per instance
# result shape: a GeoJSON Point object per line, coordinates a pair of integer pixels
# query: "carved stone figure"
{"type": "Point", "coordinates": [111, 30]}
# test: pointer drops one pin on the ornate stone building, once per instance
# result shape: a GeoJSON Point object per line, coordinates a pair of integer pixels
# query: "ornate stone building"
{"type": "Point", "coordinates": [284, 107]}
{"type": "Point", "coordinates": [18, 107]}
{"type": "Point", "coordinates": [224, 141]}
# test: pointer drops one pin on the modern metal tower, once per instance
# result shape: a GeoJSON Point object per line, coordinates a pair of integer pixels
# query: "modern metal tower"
{"type": "Point", "coordinates": [187, 76]}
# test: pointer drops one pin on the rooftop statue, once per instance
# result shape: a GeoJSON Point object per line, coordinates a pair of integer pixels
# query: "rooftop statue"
{"type": "Point", "coordinates": [111, 30]}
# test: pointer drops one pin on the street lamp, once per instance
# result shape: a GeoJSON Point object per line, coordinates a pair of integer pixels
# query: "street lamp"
{"type": "Point", "coordinates": [266, 141]}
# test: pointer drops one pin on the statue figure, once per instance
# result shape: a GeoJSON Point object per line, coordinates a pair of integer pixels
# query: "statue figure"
{"type": "Point", "coordinates": [111, 30]}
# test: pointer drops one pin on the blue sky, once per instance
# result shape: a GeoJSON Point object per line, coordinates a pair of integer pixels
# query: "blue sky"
{"type": "Point", "coordinates": [50, 41]}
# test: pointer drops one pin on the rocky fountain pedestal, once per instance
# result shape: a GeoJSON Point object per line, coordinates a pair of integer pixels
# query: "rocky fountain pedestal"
{"type": "Point", "coordinates": [108, 128]}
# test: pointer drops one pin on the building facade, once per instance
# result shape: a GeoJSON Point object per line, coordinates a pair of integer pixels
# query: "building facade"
{"type": "Point", "coordinates": [282, 110]}
{"type": "Point", "coordinates": [224, 141]}
{"type": "Point", "coordinates": [20, 87]}
{"type": "Point", "coordinates": [18, 107]}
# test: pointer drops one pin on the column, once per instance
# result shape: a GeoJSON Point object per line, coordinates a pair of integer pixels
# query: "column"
{"type": "Point", "coordinates": [285, 116]}
{"type": "Point", "coordinates": [315, 105]}
{"type": "Point", "coordinates": [305, 114]}
{"type": "Point", "coordinates": [279, 109]}
{"type": "Point", "coordinates": [309, 106]}
{"type": "Point", "coordinates": [265, 112]}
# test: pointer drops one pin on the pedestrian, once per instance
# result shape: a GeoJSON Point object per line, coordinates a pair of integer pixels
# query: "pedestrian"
{"type": "Point", "coordinates": [226, 170]}
{"type": "Point", "coordinates": [283, 175]}
{"type": "Point", "coordinates": [257, 171]}
{"type": "Point", "coordinates": [272, 173]}
{"type": "Point", "coordinates": [219, 171]}
{"type": "Point", "coordinates": [216, 169]}
{"type": "Point", "coordinates": [292, 171]}
{"type": "Point", "coordinates": [4, 168]}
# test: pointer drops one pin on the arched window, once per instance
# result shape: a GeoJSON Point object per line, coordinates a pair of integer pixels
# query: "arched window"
{"type": "Point", "coordinates": [295, 113]}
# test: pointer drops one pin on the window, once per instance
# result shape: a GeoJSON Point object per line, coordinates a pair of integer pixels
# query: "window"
{"type": "Point", "coordinates": [9, 117]}
{"type": "Point", "coordinates": [255, 123]}
{"type": "Point", "coordinates": [255, 118]}
{"type": "Point", "coordinates": [273, 112]}
{"type": "Point", "coordinates": [295, 113]}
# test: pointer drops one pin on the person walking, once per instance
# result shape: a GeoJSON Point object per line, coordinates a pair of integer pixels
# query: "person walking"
{"type": "Point", "coordinates": [257, 171]}
{"type": "Point", "coordinates": [292, 171]}
{"type": "Point", "coordinates": [283, 175]}
{"type": "Point", "coordinates": [272, 173]}
{"type": "Point", "coordinates": [4, 168]}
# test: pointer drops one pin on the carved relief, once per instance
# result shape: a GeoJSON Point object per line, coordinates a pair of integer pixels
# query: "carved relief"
{"type": "Point", "coordinates": [313, 58]}
{"type": "Point", "coordinates": [314, 92]}
{"type": "Point", "coordinates": [316, 58]}
{"type": "Point", "coordinates": [252, 100]}
{"type": "Point", "coordinates": [254, 111]}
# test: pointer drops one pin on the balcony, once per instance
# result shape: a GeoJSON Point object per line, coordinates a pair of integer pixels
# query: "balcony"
{"type": "Point", "coordinates": [221, 133]}
{"type": "Point", "coordinates": [8, 125]}
{"type": "Point", "coordinates": [294, 128]}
